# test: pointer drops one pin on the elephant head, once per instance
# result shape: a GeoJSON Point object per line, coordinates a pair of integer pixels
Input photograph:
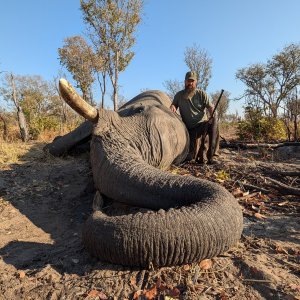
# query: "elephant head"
{"type": "Point", "coordinates": [169, 219]}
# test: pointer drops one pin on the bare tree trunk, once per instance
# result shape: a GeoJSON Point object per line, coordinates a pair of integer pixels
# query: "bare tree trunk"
{"type": "Point", "coordinates": [103, 90]}
{"type": "Point", "coordinates": [5, 127]}
{"type": "Point", "coordinates": [63, 106]}
{"type": "Point", "coordinates": [115, 85]}
{"type": "Point", "coordinates": [102, 87]}
{"type": "Point", "coordinates": [21, 117]}
{"type": "Point", "coordinates": [22, 125]}
{"type": "Point", "coordinates": [295, 128]}
{"type": "Point", "coordinates": [288, 131]}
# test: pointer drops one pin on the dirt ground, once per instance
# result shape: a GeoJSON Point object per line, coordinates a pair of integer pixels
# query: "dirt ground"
{"type": "Point", "coordinates": [44, 202]}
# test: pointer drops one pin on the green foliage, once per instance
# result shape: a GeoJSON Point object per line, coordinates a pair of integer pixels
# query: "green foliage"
{"type": "Point", "coordinates": [269, 85]}
{"type": "Point", "coordinates": [41, 124]}
{"type": "Point", "coordinates": [262, 129]}
{"type": "Point", "coordinates": [111, 26]}
{"type": "Point", "coordinates": [78, 57]}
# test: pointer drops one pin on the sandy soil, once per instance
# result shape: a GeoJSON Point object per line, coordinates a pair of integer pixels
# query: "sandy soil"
{"type": "Point", "coordinates": [44, 202]}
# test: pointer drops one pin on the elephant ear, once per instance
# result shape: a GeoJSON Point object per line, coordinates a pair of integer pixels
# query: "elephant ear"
{"type": "Point", "coordinates": [72, 98]}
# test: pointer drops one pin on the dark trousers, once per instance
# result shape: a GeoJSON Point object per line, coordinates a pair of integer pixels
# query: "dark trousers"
{"type": "Point", "coordinates": [202, 147]}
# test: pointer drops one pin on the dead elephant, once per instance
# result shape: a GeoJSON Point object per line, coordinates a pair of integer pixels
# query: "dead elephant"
{"type": "Point", "coordinates": [180, 219]}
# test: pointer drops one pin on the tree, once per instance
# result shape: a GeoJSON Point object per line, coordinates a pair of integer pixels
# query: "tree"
{"type": "Point", "coordinates": [37, 101]}
{"type": "Point", "coordinates": [292, 114]}
{"type": "Point", "coordinates": [61, 103]}
{"type": "Point", "coordinates": [100, 69]}
{"type": "Point", "coordinates": [198, 60]}
{"type": "Point", "coordinates": [77, 56]}
{"type": "Point", "coordinates": [10, 92]}
{"type": "Point", "coordinates": [223, 104]}
{"type": "Point", "coordinates": [172, 86]}
{"type": "Point", "coordinates": [267, 85]}
{"type": "Point", "coordinates": [111, 26]}
{"type": "Point", "coordinates": [5, 125]}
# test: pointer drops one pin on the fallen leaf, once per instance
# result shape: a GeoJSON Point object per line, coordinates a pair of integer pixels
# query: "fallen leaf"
{"type": "Point", "coordinates": [186, 267]}
{"type": "Point", "coordinates": [160, 285]}
{"type": "Point", "coordinates": [102, 296]}
{"type": "Point", "coordinates": [283, 203]}
{"type": "Point", "coordinates": [279, 249]}
{"type": "Point", "coordinates": [206, 264]}
{"type": "Point", "coordinates": [175, 292]}
{"type": "Point", "coordinates": [99, 294]}
{"type": "Point", "coordinates": [137, 294]}
{"type": "Point", "coordinates": [223, 296]}
{"type": "Point", "coordinates": [133, 281]}
{"type": "Point", "coordinates": [174, 171]}
{"type": "Point", "coordinates": [259, 216]}
{"type": "Point", "coordinates": [246, 194]}
{"type": "Point", "coordinates": [21, 274]}
{"type": "Point", "coordinates": [254, 208]}
{"type": "Point", "coordinates": [237, 193]}
{"type": "Point", "coordinates": [150, 294]}
{"type": "Point", "coordinates": [294, 287]}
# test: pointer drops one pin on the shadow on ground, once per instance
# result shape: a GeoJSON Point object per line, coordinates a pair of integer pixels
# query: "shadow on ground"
{"type": "Point", "coordinates": [55, 195]}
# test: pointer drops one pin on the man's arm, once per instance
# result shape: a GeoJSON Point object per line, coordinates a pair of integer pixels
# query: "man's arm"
{"type": "Point", "coordinates": [174, 104]}
{"type": "Point", "coordinates": [173, 108]}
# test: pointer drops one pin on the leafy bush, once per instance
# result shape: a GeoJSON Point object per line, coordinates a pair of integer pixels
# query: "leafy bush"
{"type": "Point", "coordinates": [263, 129]}
{"type": "Point", "coordinates": [40, 124]}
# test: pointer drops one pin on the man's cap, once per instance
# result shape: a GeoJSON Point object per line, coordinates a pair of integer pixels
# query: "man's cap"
{"type": "Point", "coordinates": [191, 75]}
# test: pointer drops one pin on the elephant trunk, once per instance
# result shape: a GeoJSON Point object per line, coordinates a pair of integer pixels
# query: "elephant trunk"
{"type": "Point", "coordinates": [199, 220]}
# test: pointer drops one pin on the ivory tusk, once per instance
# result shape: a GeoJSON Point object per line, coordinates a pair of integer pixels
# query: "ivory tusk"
{"type": "Point", "coordinates": [71, 97]}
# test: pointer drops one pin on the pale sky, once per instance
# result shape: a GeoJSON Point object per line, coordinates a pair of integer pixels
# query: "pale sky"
{"type": "Point", "coordinates": [235, 33]}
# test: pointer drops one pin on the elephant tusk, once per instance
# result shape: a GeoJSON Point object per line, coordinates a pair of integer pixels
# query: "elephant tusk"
{"type": "Point", "coordinates": [76, 102]}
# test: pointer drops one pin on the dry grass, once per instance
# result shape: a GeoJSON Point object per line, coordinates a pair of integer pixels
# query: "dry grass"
{"type": "Point", "coordinates": [11, 152]}
{"type": "Point", "coordinates": [18, 152]}
{"type": "Point", "coordinates": [228, 131]}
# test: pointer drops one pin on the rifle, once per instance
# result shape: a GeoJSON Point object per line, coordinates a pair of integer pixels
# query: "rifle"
{"type": "Point", "coordinates": [214, 131]}
{"type": "Point", "coordinates": [218, 101]}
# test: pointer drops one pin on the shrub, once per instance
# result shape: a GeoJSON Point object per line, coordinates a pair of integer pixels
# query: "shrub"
{"type": "Point", "coordinates": [41, 124]}
{"type": "Point", "coordinates": [264, 129]}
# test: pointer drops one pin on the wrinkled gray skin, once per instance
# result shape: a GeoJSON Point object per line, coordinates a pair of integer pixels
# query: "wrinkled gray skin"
{"type": "Point", "coordinates": [181, 219]}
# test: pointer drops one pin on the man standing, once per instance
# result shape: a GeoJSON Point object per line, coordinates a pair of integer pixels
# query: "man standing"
{"type": "Point", "coordinates": [192, 104]}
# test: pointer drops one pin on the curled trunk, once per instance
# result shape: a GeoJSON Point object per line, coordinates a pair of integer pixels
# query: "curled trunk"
{"type": "Point", "coordinates": [210, 224]}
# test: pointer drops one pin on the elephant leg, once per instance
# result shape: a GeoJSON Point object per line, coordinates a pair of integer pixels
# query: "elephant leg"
{"type": "Point", "coordinates": [217, 148]}
{"type": "Point", "coordinates": [98, 201]}
{"type": "Point", "coordinates": [213, 139]}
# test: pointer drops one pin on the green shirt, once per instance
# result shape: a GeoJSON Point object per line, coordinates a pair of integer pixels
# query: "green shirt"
{"type": "Point", "coordinates": [192, 109]}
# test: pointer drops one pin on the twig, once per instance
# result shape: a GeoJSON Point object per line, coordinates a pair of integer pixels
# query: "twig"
{"type": "Point", "coordinates": [216, 271]}
{"type": "Point", "coordinates": [254, 187]}
{"type": "Point", "coordinates": [249, 196]}
{"type": "Point", "coordinates": [283, 188]}
{"type": "Point", "coordinates": [283, 173]}
{"type": "Point", "coordinates": [257, 280]}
